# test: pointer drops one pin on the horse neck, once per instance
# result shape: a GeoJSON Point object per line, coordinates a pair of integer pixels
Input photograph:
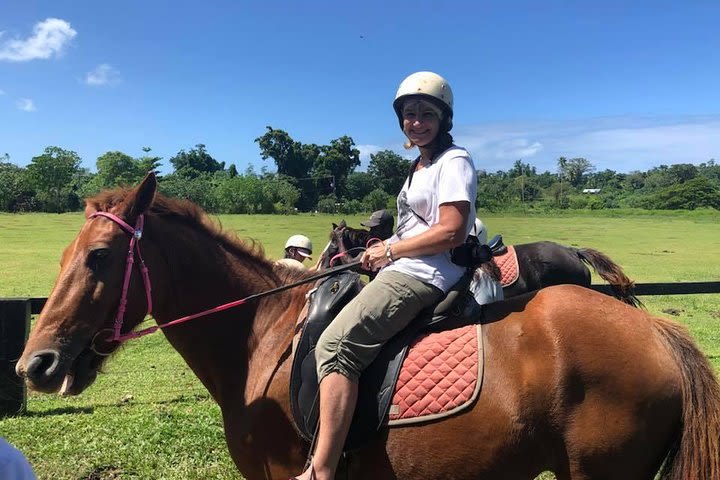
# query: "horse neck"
{"type": "Point", "coordinates": [203, 273]}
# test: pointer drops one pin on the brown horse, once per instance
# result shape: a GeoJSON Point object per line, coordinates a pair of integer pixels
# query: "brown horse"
{"type": "Point", "coordinates": [575, 382]}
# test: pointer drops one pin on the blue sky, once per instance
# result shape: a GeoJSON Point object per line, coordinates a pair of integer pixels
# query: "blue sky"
{"type": "Point", "coordinates": [627, 85]}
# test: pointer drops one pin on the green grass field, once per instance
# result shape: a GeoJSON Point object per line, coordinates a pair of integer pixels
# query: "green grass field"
{"type": "Point", "coordinates": [149, 418]}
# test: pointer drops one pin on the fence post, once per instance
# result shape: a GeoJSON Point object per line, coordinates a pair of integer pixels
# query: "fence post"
{"type": "Point", "coordinates": [14, 328]}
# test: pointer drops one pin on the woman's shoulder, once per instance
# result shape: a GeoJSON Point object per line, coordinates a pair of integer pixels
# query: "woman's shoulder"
{"type": "Point", "coordinates": [456, 155]}
{"type": "Point", "coordinates": [455, 152]}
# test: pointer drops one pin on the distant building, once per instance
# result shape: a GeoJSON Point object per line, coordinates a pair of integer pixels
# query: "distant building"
{"type": "Point", "coordinates": [591, 190]}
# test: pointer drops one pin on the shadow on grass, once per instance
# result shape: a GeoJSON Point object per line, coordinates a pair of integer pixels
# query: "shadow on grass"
{"type": "Point", "coordinates": [120, 404]}
{"type": "Point", "coordinates": [59, 411]}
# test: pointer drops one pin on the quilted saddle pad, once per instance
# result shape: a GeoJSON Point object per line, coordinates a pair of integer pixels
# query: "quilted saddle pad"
{"type": "Point", "coordinates": [440, 376]}
{"type": "Point", "coordinates": [508, 265]}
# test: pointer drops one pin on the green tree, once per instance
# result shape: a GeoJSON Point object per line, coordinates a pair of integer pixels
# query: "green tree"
{"type": "Point", "coordinates": [148, 162]}
{"type": "Point", "coordinates": [359, 184]}
{"type": "Point", "coordinates": [710, 170]}
{"type": "Point", "coordinates": [118, 168]}
{"type": "Point", "coordinates": [575, 170]}
{"type": "Point", "coordinates": [291, 158]}
{"type": "Point", "coordinates": [682, 172]}
{"type": "Point", "coordinates": [695, 193]}
{"type": "Point", "coordinates": [199, 188]}
{"type": "Point", "coordinates": [389, 170]}
{"type": "Point", "coordinates": [520, 169]}
{"type": "Point", "coordinates": [15, 193]}
{"type": "Point", "coordinates": [494, 191]}
{"type": "Point", "coordinates": [51, 175]}
{"type": "Point", "coordinates": [339, 160]}
{"type": "Point", "coordinates": [376, 200]}
{"type": "Point", "coordinates": [605, 180]}
{"type": "Point", "coordinates": [195, 162]}
{"type": "Point", "coordinates": [282, 193]}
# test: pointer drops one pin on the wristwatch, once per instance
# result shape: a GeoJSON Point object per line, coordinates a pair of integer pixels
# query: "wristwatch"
{"type": "Point", "coordinates": [388, 253]}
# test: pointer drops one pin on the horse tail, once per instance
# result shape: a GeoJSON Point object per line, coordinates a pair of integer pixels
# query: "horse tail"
{"type": "Point", "coordinates": [621, 285]}
{"type": "Point", "coordinates": [696, 452]}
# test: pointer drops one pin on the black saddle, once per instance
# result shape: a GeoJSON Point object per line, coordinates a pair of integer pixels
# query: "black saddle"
{"type": "Point", "coordinates": [497, 247]}
{"type": "Point", "coordinates": [377, 383]}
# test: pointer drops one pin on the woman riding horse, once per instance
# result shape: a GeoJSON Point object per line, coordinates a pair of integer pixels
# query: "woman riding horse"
{"type": "Point", "coordinates": [575, 382]}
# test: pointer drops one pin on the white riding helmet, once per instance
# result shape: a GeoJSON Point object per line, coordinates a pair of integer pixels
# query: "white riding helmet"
{"type": "Point", "coordinates": [433, 88]}
{"type": "Point", "coordinates": [480, 231]}
{"type": "Point", "coordinates": [299, 241]}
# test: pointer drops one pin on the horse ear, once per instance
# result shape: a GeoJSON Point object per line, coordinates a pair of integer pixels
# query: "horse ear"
{"type": "Point", "coordinates": [143, 195]}
{"type": "Point", "coordinates": [334, 226]}
{"type": "Point", "coordinates": [342, 223]}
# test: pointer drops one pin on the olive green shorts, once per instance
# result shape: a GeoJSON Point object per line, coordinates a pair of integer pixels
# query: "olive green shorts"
{"type": "Point", "coordinates": [382, 309]}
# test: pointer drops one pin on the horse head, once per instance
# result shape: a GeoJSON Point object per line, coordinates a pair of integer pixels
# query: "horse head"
{"type": "Point", "coordinates": [73, 334]}
{"type": "Point", "coordinates": [345, 239]}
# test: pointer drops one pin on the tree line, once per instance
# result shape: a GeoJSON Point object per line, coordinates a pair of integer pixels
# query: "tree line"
{"type": "Point", "coordinates": [323, 178]}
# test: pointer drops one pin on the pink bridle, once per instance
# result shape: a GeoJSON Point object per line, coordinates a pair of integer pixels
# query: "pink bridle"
{"type": "Point", "coordinates": [135, 236]}
{"type": "Point", "coordinates": [370, 241]}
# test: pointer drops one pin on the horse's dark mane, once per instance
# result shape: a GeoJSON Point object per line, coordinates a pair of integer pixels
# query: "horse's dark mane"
{"type": "Point", "coordinates": [357, 236]}
{"type": "Point", "coordinates": [193, 216]}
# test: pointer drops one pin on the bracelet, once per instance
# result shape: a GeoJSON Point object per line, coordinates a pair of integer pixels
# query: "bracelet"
{"type": "Point", "coordinates": [388, 253]}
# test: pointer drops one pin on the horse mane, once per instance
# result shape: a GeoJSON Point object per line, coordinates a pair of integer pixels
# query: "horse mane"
{"type": "Point", "coordinates": [357, 237]}
{"type": "Point", "coordinates": [191, 215]}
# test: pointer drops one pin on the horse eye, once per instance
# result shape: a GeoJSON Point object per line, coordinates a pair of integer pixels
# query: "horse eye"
{"type": "Point", "coordinates": [97, 258]}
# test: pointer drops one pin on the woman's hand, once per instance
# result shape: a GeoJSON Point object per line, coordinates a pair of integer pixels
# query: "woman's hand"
{"type": "Point", "coordinates": [374, 257]}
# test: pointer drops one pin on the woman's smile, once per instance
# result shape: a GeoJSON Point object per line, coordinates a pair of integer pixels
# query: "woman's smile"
{"type": "Point", "coordinates": [421, 121]}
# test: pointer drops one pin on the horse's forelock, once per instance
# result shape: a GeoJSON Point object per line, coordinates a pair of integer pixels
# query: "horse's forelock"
{"type": "Point", "coordinates": [106, 200]}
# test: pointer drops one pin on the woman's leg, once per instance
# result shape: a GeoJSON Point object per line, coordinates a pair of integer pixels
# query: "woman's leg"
{"type": "Point", "coordinates": [351, 342]}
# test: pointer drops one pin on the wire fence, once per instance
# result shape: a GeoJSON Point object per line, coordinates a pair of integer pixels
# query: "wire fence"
{"type": "Point", "coordinates": [148, 383]}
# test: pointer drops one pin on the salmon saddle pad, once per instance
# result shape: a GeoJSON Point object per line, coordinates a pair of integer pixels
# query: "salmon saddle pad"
{"type": "Point", "coordinates": [441, 375]}
{"type": "Point", "coordinates": [508, 265]}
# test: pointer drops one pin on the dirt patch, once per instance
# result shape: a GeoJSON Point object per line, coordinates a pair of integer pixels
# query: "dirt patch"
{"type": "Point", "coordinates": [715, 314]}
{"type": "Point", "coordinates": [673, 311]}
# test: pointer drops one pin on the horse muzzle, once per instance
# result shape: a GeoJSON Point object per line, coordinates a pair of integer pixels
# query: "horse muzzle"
{"type": "Point", "coordinates": [41, 370]}
{"type": "Point", "coordinates": [46, 371]}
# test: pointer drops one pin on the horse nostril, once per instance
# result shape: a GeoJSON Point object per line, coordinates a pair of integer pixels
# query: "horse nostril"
{"type": "Point", "coordinates": [43, 364]}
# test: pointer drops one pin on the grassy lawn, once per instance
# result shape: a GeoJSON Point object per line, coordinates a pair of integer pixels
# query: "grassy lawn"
{"type": "Point", "coordinates": [149, 418]}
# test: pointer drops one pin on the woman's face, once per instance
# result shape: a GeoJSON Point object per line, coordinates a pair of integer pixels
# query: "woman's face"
{"type": "Point", "coordinates": [421, 121]}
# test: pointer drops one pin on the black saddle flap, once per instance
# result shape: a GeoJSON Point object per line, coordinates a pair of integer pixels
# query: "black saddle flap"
{"type": "Point", "coordinates": [329, 297]}
{"type": "Point", "coordinates": [497, 246]}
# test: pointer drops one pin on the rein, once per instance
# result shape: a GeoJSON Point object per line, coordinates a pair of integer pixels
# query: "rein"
{"type": "Point", "coordinates": [135, 236]}
{"type": "Point", "coordinates": [337, 256]}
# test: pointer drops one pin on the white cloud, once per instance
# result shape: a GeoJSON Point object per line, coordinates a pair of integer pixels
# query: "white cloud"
{"type": "Point", "coordinates": [365, 152]}
{"type": "Point", "coordinates": [103, 74]}
{"type": "Point", "coordinates": [26, 105]}
{"type": "Point", "coordinates": [49, 37]}
{"type": "Point", "coordinates": [618, 143]}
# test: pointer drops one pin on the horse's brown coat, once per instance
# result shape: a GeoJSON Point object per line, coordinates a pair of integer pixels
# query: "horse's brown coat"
{"type": "Point", "coordinates": [576, 382]}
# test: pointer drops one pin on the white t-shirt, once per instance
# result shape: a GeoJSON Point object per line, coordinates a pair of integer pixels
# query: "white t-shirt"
{"type": "Point", "coordinates": [13, 464]}
{"type": "Point", "coordinates": [450, 178]}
